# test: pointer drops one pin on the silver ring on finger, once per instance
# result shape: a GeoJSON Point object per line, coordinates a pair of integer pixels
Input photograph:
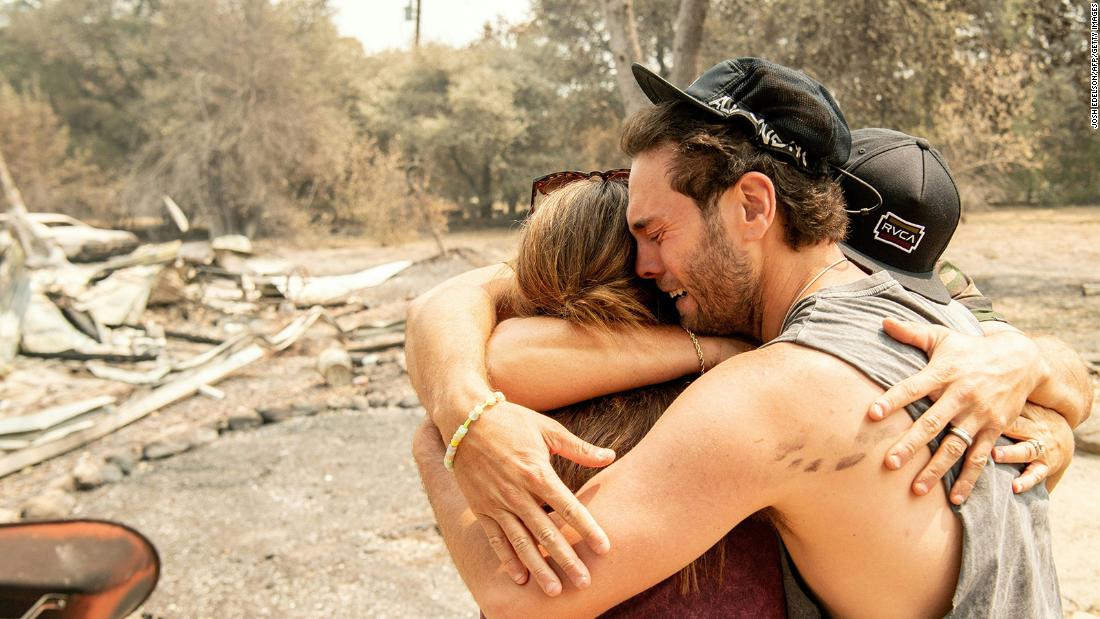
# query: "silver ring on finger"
{"type": "Point", "coordinates": [1040, 448]}
{"type": "Point", "coordinates": [963, 434]}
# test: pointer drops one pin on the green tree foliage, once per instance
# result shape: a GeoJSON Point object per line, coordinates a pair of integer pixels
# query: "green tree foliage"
{"type": "Point", "coordinates": [247, 117]}
{"type": "Point", "coordinates": [91, 59]}
{"type": "Point", "coordinates": [256, 116]}
{"type": "Point", "coordinates": [246, 112]}
{"type": "Point", "coordinates": [485, 120]}
{"type": "Point", "coordinates": [51, 174]}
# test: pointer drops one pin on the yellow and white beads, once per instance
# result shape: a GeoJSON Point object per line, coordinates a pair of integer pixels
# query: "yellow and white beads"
{"type": "Point", "coordinates": [460, 433]}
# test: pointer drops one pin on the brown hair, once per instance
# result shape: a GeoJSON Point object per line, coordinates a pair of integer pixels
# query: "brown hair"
{"type": "Point", "coordinates": [575, 262]}
{"type": "Point", "coordinates": [575, 259]}
{"type": "Point", "coordinates": [710, 157]}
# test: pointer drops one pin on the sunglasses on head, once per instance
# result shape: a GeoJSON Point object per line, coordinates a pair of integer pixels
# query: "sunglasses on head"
{"type": "Point", "coordinates": [544, 185]}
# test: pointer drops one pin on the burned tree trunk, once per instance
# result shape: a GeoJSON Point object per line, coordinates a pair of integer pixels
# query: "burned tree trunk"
{"type": "Point", "coordinates": [623, 33]}
{"type": "Point", "coordinates": [688, 36]}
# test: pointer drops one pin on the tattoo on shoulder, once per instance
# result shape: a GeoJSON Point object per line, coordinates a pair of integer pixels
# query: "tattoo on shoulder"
{"type": "Point", "coordinates": [848, 462]}
{"type": "Point", "coordinates": [786, 448]}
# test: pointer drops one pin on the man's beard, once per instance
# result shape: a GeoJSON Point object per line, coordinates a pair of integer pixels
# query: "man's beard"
{"type": "Point", "coordinates": [726, 291]}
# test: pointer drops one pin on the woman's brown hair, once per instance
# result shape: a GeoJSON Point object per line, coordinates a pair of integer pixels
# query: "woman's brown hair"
{"type": "Point", "coordinates": [575, 262]}
{"type": "Point", "coordinates": [575, 259]}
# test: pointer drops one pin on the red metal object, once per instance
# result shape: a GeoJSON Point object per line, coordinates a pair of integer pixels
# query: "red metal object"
{"type": "Point", "coordinates": [90, 569]}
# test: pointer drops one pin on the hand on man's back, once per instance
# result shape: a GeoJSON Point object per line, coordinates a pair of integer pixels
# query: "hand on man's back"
{"type": "Point", "coordinates": [979, 384]}
{"type": "Point", "coordinates": [503, 468]}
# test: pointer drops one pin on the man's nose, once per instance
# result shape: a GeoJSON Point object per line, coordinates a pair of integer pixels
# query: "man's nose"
{"type": "Point", "coordinates": [647, 265]}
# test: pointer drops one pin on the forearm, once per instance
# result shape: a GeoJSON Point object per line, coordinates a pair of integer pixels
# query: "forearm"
{"type": "Point", "coordinates": [644, 502]}
{"type": "Point", "coordinates": [545, 363]}
{"type": "Point", "coordinates": [495, 593]}
{"type": "Point", "coordinates": [466, 542]}
{"type": "Point", "coordinates": [446, 333]}
{"type": "Point", "coordinates": [1064, 386]}
{"type": "Point", "coordinates": [1067, 389]}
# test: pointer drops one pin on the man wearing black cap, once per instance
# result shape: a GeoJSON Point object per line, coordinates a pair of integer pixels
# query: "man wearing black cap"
{"type": "Point", "coordinates": [904, 209]}
{"type": "Point", "coordinates": [782, 427]}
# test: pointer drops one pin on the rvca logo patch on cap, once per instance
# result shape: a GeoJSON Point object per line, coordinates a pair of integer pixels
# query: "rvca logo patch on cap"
{"type": "Point", "coordinates": [893, 230]}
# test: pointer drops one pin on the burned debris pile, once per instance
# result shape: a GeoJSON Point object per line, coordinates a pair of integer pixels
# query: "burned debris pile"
{"type": "Point", "coordinates": [87, 348]}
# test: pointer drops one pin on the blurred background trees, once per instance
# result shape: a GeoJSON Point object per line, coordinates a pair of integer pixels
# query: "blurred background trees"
{"type": "Point", "coordinates": [257, 117]}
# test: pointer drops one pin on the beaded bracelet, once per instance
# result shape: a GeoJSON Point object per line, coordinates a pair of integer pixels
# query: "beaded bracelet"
{"type": "Point", "coordinates": [460, 433]}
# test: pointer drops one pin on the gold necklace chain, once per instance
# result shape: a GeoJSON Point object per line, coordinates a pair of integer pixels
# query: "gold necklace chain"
{"type": "Point", "coordinates": [816, 277]}
{"type": "Point", "coordinates": [807, 287]}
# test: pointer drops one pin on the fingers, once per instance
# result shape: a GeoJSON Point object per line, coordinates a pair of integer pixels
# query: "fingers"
{"type": "Point", "coordinates": [550, 537]}
{"type": "Point", "coordinates": [926, 427]}
{"type": "Point", "coordinates": [546, 484]}
{"type": "Point", "coordinates": [922, 336]}
{"type": "Point", "coordinates": [976, 459]}
{"type": "Point", "coordinates": [566, 505]}
{"type": "Point", "coordinates": [904, 393]}
{"type": "Point", "coordinates": [564, 502]}
{"type": "Point", "coordinates": [499, 543]}
{"type": "Point", "coordinates": [1032, 475]}
{"type": "Point", "coordinates": [569, 446]}
{"type": "Point", "coordinates": [1023, 428]}
{"type": "Point", "coordinates": [951, 449]}
{"type": "Point", "coordinates": [1019, 453]}
{"type": "Point", "coordinates": [527, 550]}
{"type": "Point", "coordinates": [921, 384]}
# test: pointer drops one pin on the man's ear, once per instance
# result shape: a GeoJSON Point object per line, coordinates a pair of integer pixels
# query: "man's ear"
{"type": "Point", "coordinates": [754, 196]}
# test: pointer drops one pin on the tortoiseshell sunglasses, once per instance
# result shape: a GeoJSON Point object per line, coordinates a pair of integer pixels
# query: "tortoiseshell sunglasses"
{"type": "Point", "coordinates": [543, 185]}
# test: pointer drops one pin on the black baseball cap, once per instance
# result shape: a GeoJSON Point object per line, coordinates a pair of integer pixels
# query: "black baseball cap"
{"type": "Point", "coordinates": [919, 209]}
{"type": "Point", "coordinates": [789, 111]}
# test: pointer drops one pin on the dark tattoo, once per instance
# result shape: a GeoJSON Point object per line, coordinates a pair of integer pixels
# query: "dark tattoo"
{"type": "Point", "coordinates": [849, 461]}
{"type": "Point", "coordinates": [787, 448]}
{"type": "Point", "coordinates": [873, 435]}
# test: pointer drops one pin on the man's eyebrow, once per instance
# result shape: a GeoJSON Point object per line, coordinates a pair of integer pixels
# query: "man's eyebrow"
{"type": "Point", "coordinates": [641, 224]}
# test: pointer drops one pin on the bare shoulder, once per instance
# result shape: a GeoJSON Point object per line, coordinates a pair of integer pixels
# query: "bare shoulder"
{"type": "Point", "coordinates": [784, 375]}
{"type": "Point", "coordinates": [759, 408]}
{"type": "Point", "coordinates": [803, 405]}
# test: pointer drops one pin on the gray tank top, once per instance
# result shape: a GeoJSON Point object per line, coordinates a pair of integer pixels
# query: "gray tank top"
{"type": "Point", "coordinates": [1007, 567]}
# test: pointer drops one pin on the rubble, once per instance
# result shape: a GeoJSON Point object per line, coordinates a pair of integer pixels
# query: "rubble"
{"type": "Point", "coordinates": [212, 392]}
{"type": "Point", "coordinates": [218, 308]}
{"type": "Point", "coordinates": [244, 418]}
{"type": "Point", "coordinates": [165, 447]}
{"type": "Point", "coordinates": [14, 297]}
{"type": "Point", "coordinates": [308, 291]}
{"type": "Point", "coordinates": [124, 460]}
{"type": "Point", "coordinates": [50, 505]}
{"type": "Point", "coordinates": [89, 474]}
{"type": "Point", "coordinates": [334, 364]}
{"type": "Point", "coordinates": [121, 297]}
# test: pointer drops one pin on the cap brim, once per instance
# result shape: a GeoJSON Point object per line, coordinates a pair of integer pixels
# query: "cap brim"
{"type": "Point", "coordinates": [660, 90]}
{"type": "Point", "coordinates": [928, 285]}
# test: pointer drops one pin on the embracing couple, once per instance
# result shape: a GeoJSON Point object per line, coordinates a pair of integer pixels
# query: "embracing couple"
{"type": "Point", "coordinates": [706, 322]}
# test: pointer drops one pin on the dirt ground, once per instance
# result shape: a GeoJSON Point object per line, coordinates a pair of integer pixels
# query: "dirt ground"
{"type": "Point", "coordinates": [322, 514]}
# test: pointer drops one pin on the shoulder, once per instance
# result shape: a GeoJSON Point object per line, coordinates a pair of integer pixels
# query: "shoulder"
{"type": "Point", "coordinates": [734, 429]}
{"type": "Point", "coordinates": [781, 388]}
{"type": "Point", "coordinates": [772, 371]}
